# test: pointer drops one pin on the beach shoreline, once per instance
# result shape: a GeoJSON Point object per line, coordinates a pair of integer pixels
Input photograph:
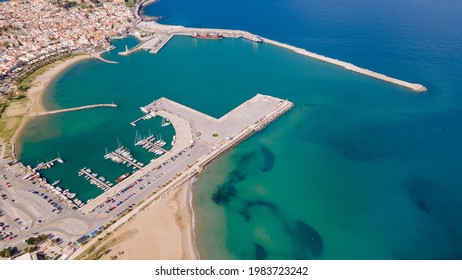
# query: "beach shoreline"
{"type": "Point", "coordinates": [39, 86]}
{"type": "Point", "coordinates": [193, 217]}
{"type": "Point", "coordinates": [171, 237]}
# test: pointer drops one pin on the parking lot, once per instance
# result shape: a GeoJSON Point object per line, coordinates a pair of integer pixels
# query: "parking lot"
{"type": "Point", "coordinates": [27, 208]}
{"type": "Point", "coordinates": [129, 196]}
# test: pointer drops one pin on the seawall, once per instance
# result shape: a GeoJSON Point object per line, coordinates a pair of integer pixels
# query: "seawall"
{"type": "Point", "coordinates": [227, 33]}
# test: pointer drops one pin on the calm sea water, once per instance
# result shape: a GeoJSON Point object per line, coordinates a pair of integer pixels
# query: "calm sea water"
{"type": "Point", "coordinates": [352, 172]}
{"type": "Point", "coordinates": [359, 169]}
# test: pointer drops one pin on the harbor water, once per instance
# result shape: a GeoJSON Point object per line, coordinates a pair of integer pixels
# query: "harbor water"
{"type": "Point", "coordinates": [358, 169]}
{"type": "Point", "coordinates": [354, 171]}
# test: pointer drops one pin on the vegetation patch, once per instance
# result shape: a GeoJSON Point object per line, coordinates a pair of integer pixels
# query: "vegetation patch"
{"type": "Point", "coordinates": [36, 240]}
{"type": "Point", "coordinates": [8, 127]}
{"type": "Point", "coordinates": [5, 253]}
{"type": "Point", "coordinates": [129, 3]}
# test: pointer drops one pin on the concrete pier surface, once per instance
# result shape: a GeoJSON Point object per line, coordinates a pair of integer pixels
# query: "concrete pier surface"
{"type": "Point", "coordinates": [112, 105]}
{"type": "Point", "coordinates": [153, 44]}
{"type": "Point", "coordinates": [216, 131]}
{"type": "Point", "coordinates": [198, 138]}
{"type": "Point", "coordinates": [99, 57]}
{"type": "Point", "coordinates": [186, 31]}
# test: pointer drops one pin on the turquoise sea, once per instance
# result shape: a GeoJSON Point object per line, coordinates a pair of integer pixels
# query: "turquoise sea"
{"type": "Point", "coordinates": [358, 169]}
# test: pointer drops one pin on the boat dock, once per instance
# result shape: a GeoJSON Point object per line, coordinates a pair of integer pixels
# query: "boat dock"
{"type": "Point", "coordinates": [149, 143]}
{"type": "Point", "coordinates": [133, 123]}
{"type": "Point", "coordinates": [112, 105]}
{"type": "Point", "coordinates": [48, 164]}
{"type": "Point", "coordinates": [148, 115]}
{"type": "Point", "coordinates": [94, 180]}
{"type": "Point", "coordinates": [123, 156]}
{"type": "Point", "coordinates": [154, 44]}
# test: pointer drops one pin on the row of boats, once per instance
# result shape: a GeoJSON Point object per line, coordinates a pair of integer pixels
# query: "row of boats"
{"type": "Point", "coordinates": [214, 35]}
{"type": "Point", "coordinates": [122, 155]}
{"type": "Point", "coordinates": [48, 164]}
{"type": "Point", "coordinates": [149, 115]}
{"type": "Point", "coordinates": [65, 192]}
{"type": "Point", "coordinates": [151, 144]}
{"type": "Point", "coordinates": [62, 193]}
{"type": "Point", "coordinates": [98, 181]}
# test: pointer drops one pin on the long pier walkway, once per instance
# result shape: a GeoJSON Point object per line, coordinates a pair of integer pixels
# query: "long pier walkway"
{"type": "Point", "coordinates": [99, 183]}
{"type": "Point", "coordinates": [126, 159]}
{"type": "Point", "coordinates": [112, 105]}
{"type": "Point", "coordinates": [152, 146]}
{"type": "Point", "coordinates": [47, 164]}
{"type": "Point", "coordinates": [99, 57]}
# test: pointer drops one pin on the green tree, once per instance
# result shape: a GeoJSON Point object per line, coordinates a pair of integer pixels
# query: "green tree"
{"type": "Point", "coordinates": [31, 249]}
{"type": "Point", "coordinates": [5, 253]}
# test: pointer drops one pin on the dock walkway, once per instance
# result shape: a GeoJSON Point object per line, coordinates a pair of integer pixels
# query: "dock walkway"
{"type": "Point", "coordinates": [105, 187]}
{"type": "Point", "coordinates": [47, 164]}
{"type": "Point", "coordinates": [128, 160]}
{"type": "Point", "coordinates": [154, 44]}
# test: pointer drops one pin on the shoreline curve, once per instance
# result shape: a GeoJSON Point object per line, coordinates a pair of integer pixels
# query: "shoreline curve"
{"type": "Point", "coordinates": [37, 91]}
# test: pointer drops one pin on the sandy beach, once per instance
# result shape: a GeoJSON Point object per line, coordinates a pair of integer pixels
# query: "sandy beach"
{"type": "Point", "coordinates": [40, 84]}
{"type": "Point", "coordinates": [162, 232]}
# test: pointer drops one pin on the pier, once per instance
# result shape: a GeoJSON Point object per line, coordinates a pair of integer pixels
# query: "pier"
{"type": "Point", "coordinates": [48, 164]}
{"type": "Point", "coordinates": [99, 183]}
{"type": "Point", "coordinates": [149, 115]}
{"type": "Point", "coordinates": [122, 155]}
{"type": "Point", "coordinates": [199, 140]}
{"type": "Point", "coordinates": [99, 57]}
{"type": "Point", "coordinates": [149, 143]}
{"type": "Point", "coordinates": [154, 44]}
{"type": "Point", "coordinates": [216, 131]}
{"type": "Point", "coordinates": [186, 31]}
{"type": "Point", "coordinates": [112, 105]}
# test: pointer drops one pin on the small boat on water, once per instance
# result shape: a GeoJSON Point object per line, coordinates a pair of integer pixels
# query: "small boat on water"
{"type": "Point", "coordinates": [123, 177]}
{"type": "Point", "coordinates": [255, 39]}
{"type": "Point", "coordinates": [55, 183]}
{"type": "Point", "coordinates": [165, 122]}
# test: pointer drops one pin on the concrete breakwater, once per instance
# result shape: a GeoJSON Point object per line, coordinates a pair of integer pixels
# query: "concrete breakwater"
{"type": "Point", "coordinates": [154, 44]}
{"type": "Point", "coordinates": [112, 105]}
{"type": "Point", "coordinates": [186, 31]}
{"type": "Point", "coordinates": [99, 57]}
{"type": "Point", "coordinates": [349, 66]}
{"type": "Point", "coordinates": [199, 139]}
